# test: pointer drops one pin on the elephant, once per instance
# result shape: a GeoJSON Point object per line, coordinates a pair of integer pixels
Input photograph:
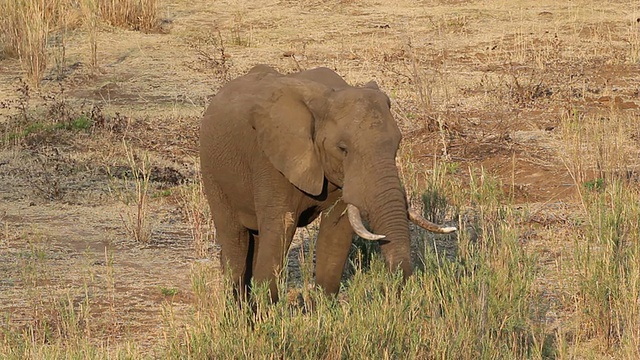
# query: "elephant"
{"type": "Point", "coordinates": [277, 151]}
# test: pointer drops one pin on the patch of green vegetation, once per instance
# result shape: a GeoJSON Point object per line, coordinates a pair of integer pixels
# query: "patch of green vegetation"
{"type": "Point", "coordinates": [34, 253]}
{"type": "Point", "coordinates": [82, 122]}
{"type": "Point", "coordinates": [26, 131]}
{"type": "Point", "coordinates": [168, 291]}
{"type": "Point", "coordinates": [361, 255]}
{"type": "Point", "coordinates": [594, 185]}
{"type": "Point", "coordinates": [162, 193]}
{"type": "Point", "coordinates": [34, 128]}
{"type": "Point", "coordinates": [450, 167]}
{"type": "Point", "coordinates": [435, 204]}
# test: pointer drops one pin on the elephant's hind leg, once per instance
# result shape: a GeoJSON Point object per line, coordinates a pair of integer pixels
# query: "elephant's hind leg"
{"type": "Point", "coordinates": [332, 248]}
{"type": "Point", "coordinates": [233, 258]}
{"type": "Point", "coordinates": [234, 240]}
{"type": "Point", "coordinates": [251, 259]}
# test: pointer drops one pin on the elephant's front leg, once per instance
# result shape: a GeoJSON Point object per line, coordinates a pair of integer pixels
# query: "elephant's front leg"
{"type": "Point", "coordinates": [276, 233]}
{"type": "Point", "coordinates": [332, 248]}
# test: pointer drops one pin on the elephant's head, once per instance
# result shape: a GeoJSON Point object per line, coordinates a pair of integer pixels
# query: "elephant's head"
{"type": "Point", "coordinates": [348, 136]}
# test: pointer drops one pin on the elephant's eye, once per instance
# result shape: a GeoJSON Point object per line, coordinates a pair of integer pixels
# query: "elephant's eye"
{"type": "Point", "coordinates": [343, 148]}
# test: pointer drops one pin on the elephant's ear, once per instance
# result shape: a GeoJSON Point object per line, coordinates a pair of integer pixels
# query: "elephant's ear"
{"type": "Point", "coordinates": [372, 85]}
{"type": "Point", "coordinates": [262, 69]}
{"type": "Point", "coordinates": [284, 124]}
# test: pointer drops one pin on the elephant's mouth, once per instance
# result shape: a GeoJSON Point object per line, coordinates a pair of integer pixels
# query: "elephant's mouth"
{"type": "Point", "coordinates": [355, 219]}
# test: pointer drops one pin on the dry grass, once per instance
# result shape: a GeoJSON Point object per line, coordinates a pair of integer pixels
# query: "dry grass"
{"type": "Point", "coordinates": [91, 13]}
{"type": "Point", "coordinates": [520, 125]}
{"type": "Point", "coordinates": [196, 211]}
{"type": "Point", "coordinates": [136, 14]}
{"type": "Point", "coordinates": [135, 196]}
{"type": "Point", "coordinates": [601, 152]}
{"type": "Point", "coordinates": [28, 25]}
{"type": "Point", "coordinates": [600, 147]}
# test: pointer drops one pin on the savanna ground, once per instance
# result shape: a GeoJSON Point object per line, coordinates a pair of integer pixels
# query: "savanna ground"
{"type": "Point", "coordinates": [521, 125]}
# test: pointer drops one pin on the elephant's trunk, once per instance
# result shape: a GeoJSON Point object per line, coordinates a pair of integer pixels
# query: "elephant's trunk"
{"type": "Point", "coordinates": [388, 216]}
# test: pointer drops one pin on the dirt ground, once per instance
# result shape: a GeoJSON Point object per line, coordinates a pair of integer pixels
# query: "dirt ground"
{"type": "Point", "coordinates": [483, 84]}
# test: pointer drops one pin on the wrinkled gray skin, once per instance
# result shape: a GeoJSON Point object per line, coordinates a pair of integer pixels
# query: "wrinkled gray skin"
{"type": "Point", "coordinates": [279, 150]}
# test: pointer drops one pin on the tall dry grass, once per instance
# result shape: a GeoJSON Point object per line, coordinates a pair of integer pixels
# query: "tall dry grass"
{"type": "Point", "coordinates": [196, 210]}
{"type": "Point", "coordinates": [600, 152]}
{"type": "Point", "coordinates": [607, 253]}
{"type": "Point", "coordinates": [27, 25]}
{"type": "Point", "coordinates": [132, 189]}
{"type": "Point", "coordinates": [135, 14]}
{"type": "Point", "coordinates": [25, 31]}
{"type": "Point", "coordinates": [91, 13]}
{"type": "Point", "coordinates": [137, 221]}
{"type": "Point", "coordinates": [599, 147]}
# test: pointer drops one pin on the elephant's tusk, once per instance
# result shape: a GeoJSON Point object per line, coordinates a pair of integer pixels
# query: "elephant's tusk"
{"type": "Point", "coordinates": [428, 225]}
{"type": "Point", "coordinates": [356, 223]}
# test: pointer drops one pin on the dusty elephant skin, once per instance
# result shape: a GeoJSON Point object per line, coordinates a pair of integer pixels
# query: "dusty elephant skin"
{"type": "Point", "coordinates": [279, 150]}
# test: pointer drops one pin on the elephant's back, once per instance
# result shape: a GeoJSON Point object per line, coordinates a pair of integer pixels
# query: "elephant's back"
{"type": "Point", "coordinates": [323, 76]}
